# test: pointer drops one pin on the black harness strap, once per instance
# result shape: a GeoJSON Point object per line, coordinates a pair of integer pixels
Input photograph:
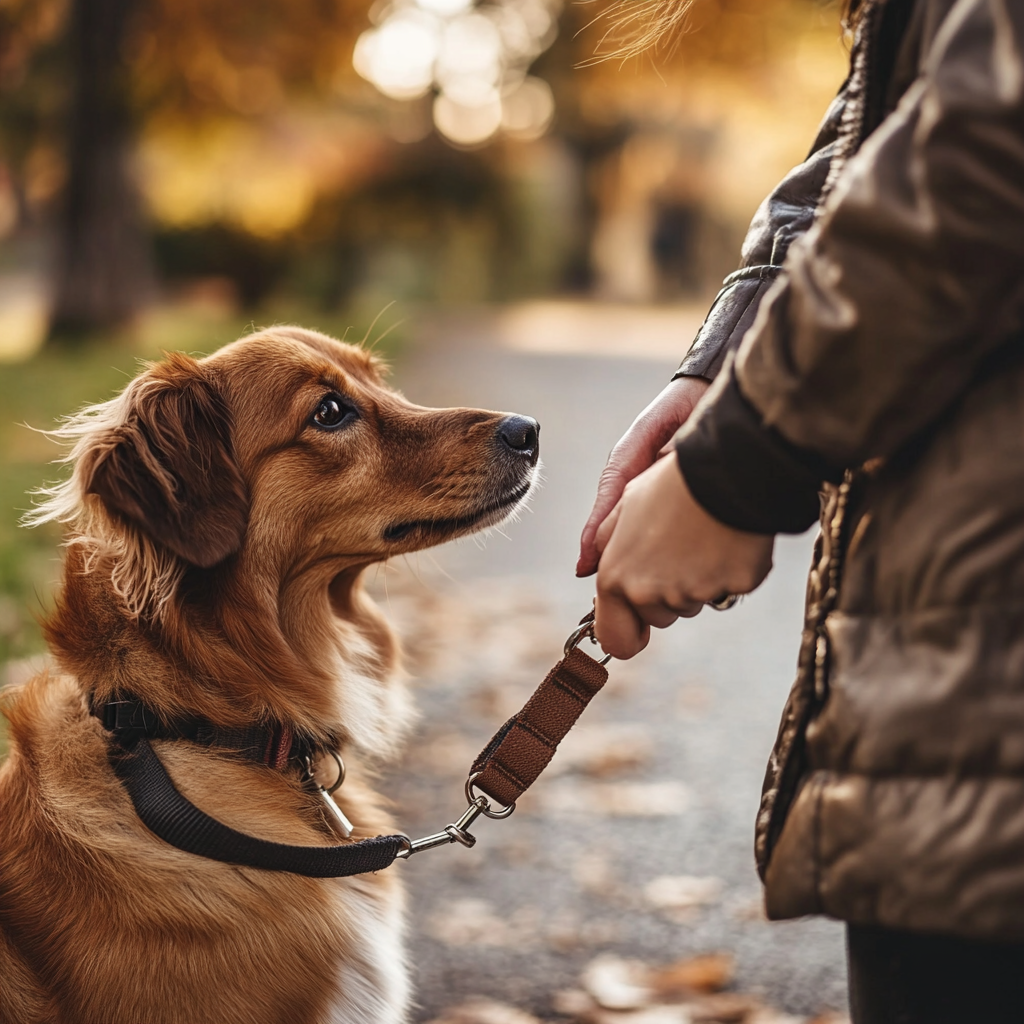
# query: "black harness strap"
{"type": "Point", "coordinates": [175, 820]}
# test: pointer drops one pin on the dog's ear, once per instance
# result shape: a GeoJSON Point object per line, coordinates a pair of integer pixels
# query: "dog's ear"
{"type": "Point", "coordinates": [169, 466]}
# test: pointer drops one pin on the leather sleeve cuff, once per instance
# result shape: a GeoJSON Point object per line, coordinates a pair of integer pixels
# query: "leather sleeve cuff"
{"type": "Point", "coordinates": [746, 474]}
{"type": "Point", "coordinates": [730, 316]}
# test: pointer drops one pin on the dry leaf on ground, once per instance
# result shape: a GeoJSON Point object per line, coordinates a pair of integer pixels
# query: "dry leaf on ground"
{"type": "Point", "coordinates": [617, 984]}
{"type": "Point", "coordinates": [573, 1002]}
{"type": "Point", "coordinates": [766, 1015]}
{"type": "Point", "coordinates": [682, 892]}
{"type": "Point", "coordinates": [602, 749]}
{"type": "Point", "coordinates": [708, 973]}
{"type": "Point", "coordinates": [723, 1008]}
{"type": "Point", "coordinates": [647, 1015]}
{"type": "Point", "coordinates": [592, 872]}
{"type": "Point", "coordinates": [476, 922]}
{"type": "Point", "coordinates": [478, 1010]}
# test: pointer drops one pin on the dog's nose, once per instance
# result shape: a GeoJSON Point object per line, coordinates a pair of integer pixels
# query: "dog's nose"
{"type": "Point", "coordinates": [521, 434]}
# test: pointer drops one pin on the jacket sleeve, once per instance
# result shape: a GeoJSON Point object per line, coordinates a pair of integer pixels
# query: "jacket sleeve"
{"type": "Point", "coordinates": [785, 215]}
{"type": "Point", "coordinates": [912, 276]}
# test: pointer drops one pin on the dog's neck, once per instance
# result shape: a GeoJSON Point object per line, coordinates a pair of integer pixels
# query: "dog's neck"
{"type": "Point", "coordinates": [237, 650]}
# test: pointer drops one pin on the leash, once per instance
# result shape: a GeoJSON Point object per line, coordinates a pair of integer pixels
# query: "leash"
{"type": "Point", "coordinates": [510, 763]}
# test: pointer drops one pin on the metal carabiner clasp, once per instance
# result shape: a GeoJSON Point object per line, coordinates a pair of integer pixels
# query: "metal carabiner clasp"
{"type": "Point", "coordinates": [584, 629]}
{"type": "Point", "coordinates": [456, 832]}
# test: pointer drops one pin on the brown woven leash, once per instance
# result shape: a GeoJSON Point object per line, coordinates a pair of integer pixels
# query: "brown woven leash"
{"type": "Point", "coordinates": [522, 748]}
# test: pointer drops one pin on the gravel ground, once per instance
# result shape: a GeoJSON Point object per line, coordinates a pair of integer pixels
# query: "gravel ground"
{"type": "Point", "coordinates": [638, 841]}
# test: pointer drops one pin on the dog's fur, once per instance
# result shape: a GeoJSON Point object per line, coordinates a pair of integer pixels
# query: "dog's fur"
{"type": "Point", "coordinates": [217, 540]}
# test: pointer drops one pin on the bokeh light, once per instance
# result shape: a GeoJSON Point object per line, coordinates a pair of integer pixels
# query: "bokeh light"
{"type": "Point", "coordinates": [467, 125]}
{"type": "Point", "coordinates": [399, 55]}
{"type": "Point", "coordinates": [528, 109]}
{"type": "Point", "coordinates": [474, 58]}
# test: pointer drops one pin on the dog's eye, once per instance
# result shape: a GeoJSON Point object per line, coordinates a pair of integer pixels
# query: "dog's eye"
{"type": "Point", "coordinates": [333, 412]}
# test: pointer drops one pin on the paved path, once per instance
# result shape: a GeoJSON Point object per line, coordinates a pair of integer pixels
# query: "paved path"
{"type": "Point", "coordinates": [681, 736]}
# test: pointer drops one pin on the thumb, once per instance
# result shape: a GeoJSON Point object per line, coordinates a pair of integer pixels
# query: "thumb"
{"type": "Point", "coordinates": [606, 529]}
{"type": "Point", "coordinates": [609, 489]}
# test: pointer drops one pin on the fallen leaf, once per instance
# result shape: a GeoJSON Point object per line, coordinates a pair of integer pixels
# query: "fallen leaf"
{"type": "Point", "coordinates": [617, 984]}
{"type": "Point", "coordinates": [573, 1002]}
{"type": "Point", "coordinates": [722, 1008]}
{"type": "Point", "coordinates": [601, 750]}
{"type": "Point", "coordinates": [682, 892]}
{"type": "Point", "coordinates": [647, 1015]}
{"type": "Point", "coordinates": [830, 1017]}
{"type": "Point", "coordinates": [766, 1015]}
{"type": "Point", "coordinates": [475, 922]}
{"type": "Point", "coordinates": [593, 872]}
{"type": "Point", "coordinates": [708, 973]}
{"type": "Point", "coordinates": [478, 1010]}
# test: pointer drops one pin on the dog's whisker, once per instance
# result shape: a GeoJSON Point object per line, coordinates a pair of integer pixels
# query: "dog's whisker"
{"type": "Point", "coordinates": [384, 334]}
{"type": "Point", "coordinates": [373, 323]}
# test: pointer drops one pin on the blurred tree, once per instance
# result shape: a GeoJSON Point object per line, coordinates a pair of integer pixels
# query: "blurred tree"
{"type": "Point", "coordinates": [33, 91]}
{"type": "Point", "coordinates": [104, 271]}
{"type": "Point", "coordinates": [126, 63]}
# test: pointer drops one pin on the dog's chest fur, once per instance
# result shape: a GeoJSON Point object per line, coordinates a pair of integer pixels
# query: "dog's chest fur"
{"type": "Point", "coordinates": [107, 914]}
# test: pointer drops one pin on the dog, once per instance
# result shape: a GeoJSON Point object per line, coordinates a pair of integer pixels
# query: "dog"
{"type": "Point", "coordinates": [221, 513]}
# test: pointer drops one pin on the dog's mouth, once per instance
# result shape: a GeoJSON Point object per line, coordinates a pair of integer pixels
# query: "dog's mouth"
{"type": "Point", "coordinates": [490, 514]}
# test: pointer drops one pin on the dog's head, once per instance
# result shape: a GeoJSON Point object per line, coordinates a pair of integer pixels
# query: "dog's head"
{"type": "Point", "coordinates": [268, 475]}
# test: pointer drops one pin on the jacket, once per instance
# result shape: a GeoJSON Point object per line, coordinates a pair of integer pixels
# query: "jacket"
{"type": "Point", "coordinates": [869, 366]}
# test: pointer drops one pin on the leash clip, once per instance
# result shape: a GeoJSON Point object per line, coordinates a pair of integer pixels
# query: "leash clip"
{"type": "Point", "coordinates": [458, 831]}
{"type": "Point", "coordinates": [584, 629]}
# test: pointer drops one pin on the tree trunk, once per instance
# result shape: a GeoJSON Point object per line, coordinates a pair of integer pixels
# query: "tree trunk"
{"type": "Point", "coordinates": [104, 267]}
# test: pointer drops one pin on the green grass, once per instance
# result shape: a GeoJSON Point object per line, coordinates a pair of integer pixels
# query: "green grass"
{"type": "Point", "coordinates": [59, 380]}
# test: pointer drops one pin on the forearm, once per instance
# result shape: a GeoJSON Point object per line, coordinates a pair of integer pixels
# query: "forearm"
{"type": "Point", "coordinates": [913, 274]}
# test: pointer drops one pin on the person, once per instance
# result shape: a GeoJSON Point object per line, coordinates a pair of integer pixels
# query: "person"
{"type": "Point", "coordinates": [867, 362]}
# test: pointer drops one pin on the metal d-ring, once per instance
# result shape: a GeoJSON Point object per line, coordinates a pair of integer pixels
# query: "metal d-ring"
{"type": "Point", "coordinates": [485, 807]}
{"type": "Point", "coordinates": [341, 772]}
{"type": "Point", "coordinates": [586, 629]}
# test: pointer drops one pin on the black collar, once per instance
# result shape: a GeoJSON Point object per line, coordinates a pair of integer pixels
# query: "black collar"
{"type": "Point", "coordinates": [176, 820]}
{"type": "Point", "coordinates": [273, 744]}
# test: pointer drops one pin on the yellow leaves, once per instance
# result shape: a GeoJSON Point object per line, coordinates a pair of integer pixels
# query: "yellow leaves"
{"type": "Point", "coordinates": [262, 178]}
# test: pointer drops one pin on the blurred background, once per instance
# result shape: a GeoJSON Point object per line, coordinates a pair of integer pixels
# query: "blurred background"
{"type": "Point", "coordinates": [516, 218]}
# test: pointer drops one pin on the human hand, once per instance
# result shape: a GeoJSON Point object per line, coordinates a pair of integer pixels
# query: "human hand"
{"type": "Point", "coordinates": [637, 450]}
{"type": "Point", "coordinates": [662, 557]}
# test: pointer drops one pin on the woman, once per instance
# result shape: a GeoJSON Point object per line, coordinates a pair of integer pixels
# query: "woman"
{"type": "Point", "coordinates": [871, 349]}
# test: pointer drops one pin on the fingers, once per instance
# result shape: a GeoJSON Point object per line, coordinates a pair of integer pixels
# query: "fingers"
{"type": "Point", "coordinates": [623, 628]}
{"type": "Point", "coordinates": [629, 458]}
{"type": "Point", "coordinates": [609, 489]}
{"type": "Point", "coordinates": [606, 529]}
{"type": "Point", "coordinates": [661, 615]}
{"type": "Point", "coordinates": [648, 437]}
{"type": "Point", "coordinates": [618, 629]}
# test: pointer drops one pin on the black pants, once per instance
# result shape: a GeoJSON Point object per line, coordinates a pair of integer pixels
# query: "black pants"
{"type": "Point", "coordinates": [901, 977]}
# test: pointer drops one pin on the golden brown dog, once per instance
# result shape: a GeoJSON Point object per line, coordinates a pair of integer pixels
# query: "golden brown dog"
{"type": "Point", "coordinates": [221, 514]}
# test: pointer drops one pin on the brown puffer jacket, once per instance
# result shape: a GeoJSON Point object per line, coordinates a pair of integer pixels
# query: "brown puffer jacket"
{"type": "Point", "coordinates": [888, 358]}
